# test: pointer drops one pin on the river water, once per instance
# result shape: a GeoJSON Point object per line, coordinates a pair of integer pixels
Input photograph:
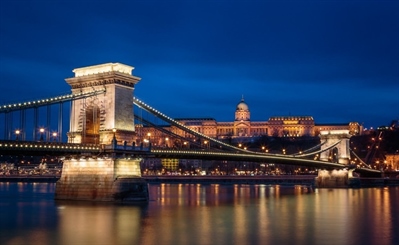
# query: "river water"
{"type": "Point", "coordinates": [203, 214]}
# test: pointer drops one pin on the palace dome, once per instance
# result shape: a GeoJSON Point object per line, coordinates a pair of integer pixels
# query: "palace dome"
{"type": "Point", "coordinates": [242, 106]}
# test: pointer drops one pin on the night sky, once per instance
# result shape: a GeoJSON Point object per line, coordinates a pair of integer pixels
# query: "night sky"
{"type": "Point", "coordinates": [337, 61]}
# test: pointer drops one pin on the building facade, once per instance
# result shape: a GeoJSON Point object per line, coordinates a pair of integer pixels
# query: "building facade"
{"type": "Point", "coordinates": [242, 127]}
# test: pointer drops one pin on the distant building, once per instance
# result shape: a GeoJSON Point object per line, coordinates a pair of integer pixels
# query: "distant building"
{"type": "Point", "coordinates": [353, 127]}
{"type": "Point", "coordinates": [242, 127]}
{"type": "Point", "coordinates": [392, 161]}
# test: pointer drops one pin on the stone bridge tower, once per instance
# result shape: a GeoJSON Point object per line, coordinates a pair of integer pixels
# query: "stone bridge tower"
{"type": "Point", "coordinates": [97, 119]}
{"type": "Point", "coordinates": [341, 150]}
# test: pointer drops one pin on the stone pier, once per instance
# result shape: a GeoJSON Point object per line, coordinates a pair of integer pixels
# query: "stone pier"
{"type": "Point", "coordinates": [336, 179]}
{"type": "Point", "coordinates": [102, 179]}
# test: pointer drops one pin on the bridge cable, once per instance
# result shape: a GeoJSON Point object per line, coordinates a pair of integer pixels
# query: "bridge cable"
{"type": "Point", "coordinates": [48, 101]}
{"type": "Point", "coordinates": [321, 150]}
{"type": "Point", "coordinates": [361, 161]}
{"type": "Point", "coordinates": [311, 149]}
{"type": "Point", "coordinates": [181, 126]}
{"type": "Point", "coordinates": [165, 130]}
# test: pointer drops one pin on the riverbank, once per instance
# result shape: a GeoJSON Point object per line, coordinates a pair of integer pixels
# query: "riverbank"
{"type": "Point", "coordinates": [272, 180]}
{"type": "Point", "coordinates": [30, 179]}
{"type": "Point", "coordinates": [289, 180]}
{"type": "Point", "coordinates": [268, 180]}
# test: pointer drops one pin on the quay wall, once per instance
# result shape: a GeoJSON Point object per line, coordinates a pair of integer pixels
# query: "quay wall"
{"type": "Point", "coordinates": [275, 180]}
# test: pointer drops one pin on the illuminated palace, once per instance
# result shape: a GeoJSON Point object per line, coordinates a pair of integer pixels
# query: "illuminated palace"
{"type": "Point", "coordinates": [242, 128]}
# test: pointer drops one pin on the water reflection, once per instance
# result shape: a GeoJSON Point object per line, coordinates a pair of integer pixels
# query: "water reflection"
{"type": "Point", "coordinates": [93, 223]}
{"type": "Point", "coordinates": [203, 214]}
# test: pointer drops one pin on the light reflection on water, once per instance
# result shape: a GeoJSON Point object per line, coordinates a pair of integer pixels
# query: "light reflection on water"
{"type": "Point", "coordinates": [203, 214]}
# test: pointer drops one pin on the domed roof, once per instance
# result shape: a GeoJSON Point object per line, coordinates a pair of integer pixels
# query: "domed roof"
{"type": "Point", "coordinates": [242, 106]}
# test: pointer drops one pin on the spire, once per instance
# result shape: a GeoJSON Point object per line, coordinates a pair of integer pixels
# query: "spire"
{"type": "Point", "coordinates": [242, 97]}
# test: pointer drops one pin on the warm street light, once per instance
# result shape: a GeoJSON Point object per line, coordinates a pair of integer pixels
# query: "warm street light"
{"type": "Point", "coordinates": [114, 142]}
{"type": "Point", "coordinates": [206, 144]}
{"type": "Point", "coordinates": [55, 136]}
{"type": "Point", "coordinates": [41, 130]}
{"type": "Point", "coordinates": [17, 132]}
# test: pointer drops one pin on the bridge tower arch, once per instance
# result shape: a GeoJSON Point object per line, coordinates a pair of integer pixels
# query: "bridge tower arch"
{"type": "Point", "coordinates": [341, 150]}
{"type": "Point", "coordinates": [98, 119]}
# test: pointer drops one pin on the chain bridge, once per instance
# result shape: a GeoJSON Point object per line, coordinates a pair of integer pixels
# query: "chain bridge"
{"type": "Point", "coordinates": [102, 147]}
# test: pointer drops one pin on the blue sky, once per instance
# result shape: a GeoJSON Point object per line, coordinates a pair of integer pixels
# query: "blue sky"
{"type": "Point", "coordinates": [337, 61]}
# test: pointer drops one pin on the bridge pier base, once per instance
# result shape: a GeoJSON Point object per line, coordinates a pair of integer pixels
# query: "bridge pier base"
{"type": "Point", "coordinates": [110, 180]}
{"type": "Point", "coordinates": [336, 179]}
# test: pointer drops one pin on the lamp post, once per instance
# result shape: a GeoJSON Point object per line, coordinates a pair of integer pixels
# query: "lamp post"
{"type": "Point", "coordinates": [114, 142]}
{"type": "Point", "coordinates": [17, 132]}
{"type": "Point", "coordinates": [41, 130]}
{"type": "Point", "coordinates": [55, 136]}
{"type": "Point", "coordinates": [167, 142]}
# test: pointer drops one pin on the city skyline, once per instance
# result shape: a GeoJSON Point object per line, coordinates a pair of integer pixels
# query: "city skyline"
{"type": "Point", "coordinates": [335, 61]}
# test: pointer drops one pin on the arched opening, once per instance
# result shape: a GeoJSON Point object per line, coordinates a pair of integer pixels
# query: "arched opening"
{"type": "Point", "coordinates": [92, 127]}
{"type": "Point", "coordinates": [334, 155]}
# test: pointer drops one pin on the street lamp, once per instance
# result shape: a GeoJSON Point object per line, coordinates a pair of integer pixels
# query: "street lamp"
{"type": "Point", "coordinates": [55, 136]}
{"type": "Point", "coordinates": [114, 132]}
{"type": "Point", "coordinates": [41, 130]}
{"type": "Point", "coordinates": [17, 132]}
{"type": "Point", "coordinates": [114, 142]}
